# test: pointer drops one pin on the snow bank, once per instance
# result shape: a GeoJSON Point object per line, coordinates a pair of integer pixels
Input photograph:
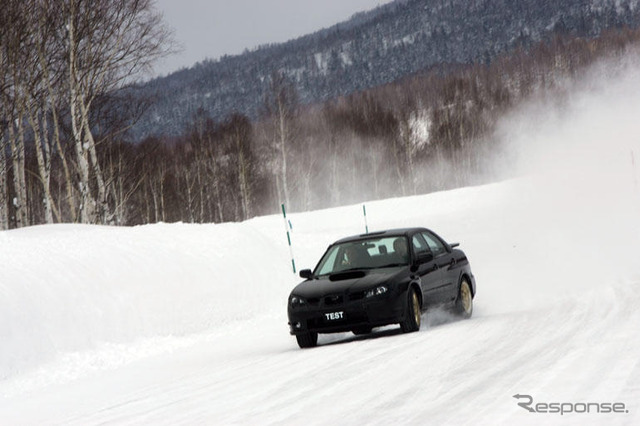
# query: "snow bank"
{"type": "Point", "coordinates": [69, 288]}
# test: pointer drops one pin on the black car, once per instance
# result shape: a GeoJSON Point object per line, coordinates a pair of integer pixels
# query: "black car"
{"type": "Point", "coordinates": [377, 279]}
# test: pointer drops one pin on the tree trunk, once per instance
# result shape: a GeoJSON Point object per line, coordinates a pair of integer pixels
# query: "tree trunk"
{"type": "Point", "coordinates": [102, 212]}
{"type": "Point", "coordinates": [87, 204]}
{"type": "Point", "coordinates": [65, 166]}
{"type": "Point", "coordinates": [282, 133]}
{"type": "Point", "coordinates": [56, 136]}
{"type": "Point", "coordinates": [19, 179]}
{"type": "Point", "coordinates": [44, 164]}
{"type": "Point", "coordinates": [4, 207]}
{"type": "Point", "coordinates": [245, 190]}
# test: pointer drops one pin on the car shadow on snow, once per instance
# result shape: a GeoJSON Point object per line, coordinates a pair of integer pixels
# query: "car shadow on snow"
{"type": "Point", "coordinates": [434, 317]}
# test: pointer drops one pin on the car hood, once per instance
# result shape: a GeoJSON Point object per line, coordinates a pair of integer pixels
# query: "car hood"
{"type": "Point", "coordinates": [352, 281]}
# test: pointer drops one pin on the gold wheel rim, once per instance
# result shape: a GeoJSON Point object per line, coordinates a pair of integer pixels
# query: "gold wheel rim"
{"type": "Point", "coordinates": [465, 293]}
{"type": "Point", "coordinates": [416, 308]}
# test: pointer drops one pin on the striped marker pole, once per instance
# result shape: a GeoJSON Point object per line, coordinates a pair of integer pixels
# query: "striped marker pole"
{"type": "Point", "coordinates": [287, 226]}
{"type": "Point", "coordinates": [366, 227]}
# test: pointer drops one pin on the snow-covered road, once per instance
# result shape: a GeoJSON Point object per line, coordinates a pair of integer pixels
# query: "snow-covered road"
{"type": "Point", "coordinates": [455, 373]}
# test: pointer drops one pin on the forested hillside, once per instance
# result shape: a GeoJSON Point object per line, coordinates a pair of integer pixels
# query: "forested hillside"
{"type": "Point", "coordinates": [373, 48]}
{"type": "Point", "coordinates": [68, 156]}
{"type": "Point", "coordinates": [425, 133]}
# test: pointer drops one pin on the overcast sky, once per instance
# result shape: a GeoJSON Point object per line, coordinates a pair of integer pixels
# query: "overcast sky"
{"type": "Point", "coordinates": [212, 28]}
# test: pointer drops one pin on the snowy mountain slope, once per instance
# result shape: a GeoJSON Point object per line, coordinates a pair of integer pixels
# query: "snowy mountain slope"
{"type": "Point", "coordinates": [383, 45]}
{"type": "Point", "coordinates": [186, 324]}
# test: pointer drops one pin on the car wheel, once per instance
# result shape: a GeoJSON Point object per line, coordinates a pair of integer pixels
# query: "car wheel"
{"type": "Point", "coordinates": [412, 318]}
{"type": "Point", "coordinates": [307, 340]}
{"type": "Point", "coordinates": [362, 330]}
{"type": "Point", "coordinates": [464, 302]}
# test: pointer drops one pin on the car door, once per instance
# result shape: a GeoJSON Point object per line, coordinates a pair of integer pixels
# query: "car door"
{"type": "Point", "coordinates": [446, 290]}
{"type": "Point", "coordinates": [428, 272]}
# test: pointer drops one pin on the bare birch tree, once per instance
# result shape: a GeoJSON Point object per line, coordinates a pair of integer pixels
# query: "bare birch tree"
{"type": "Point", "coordinates": [240, 135]}
{"type": "Point", "coordinates": [4, 85]}
{"type": "Point", "coordinates": [107, 42]}
{"type": "Point", "coordinates": [15, 37]}
{"type": "Point", "coordinates": [46, 23]}
{"type": "Point", "coordinates": [4, 207]}
{"type": "Point", "coordinates": [281, 101]}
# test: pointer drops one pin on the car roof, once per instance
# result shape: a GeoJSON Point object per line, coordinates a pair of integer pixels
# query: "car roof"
{"type": "Point", "coordinates": [386, 233]}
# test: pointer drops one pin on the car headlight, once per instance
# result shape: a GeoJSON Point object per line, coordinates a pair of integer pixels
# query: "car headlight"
{"type": "Point", "coordinates": [297, 301]}
{"type": "Point", "coordinates": [376, 291]}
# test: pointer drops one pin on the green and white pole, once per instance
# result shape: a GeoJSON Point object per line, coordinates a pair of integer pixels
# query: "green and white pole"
{"type": "Point", "coordinates": [287, 226]}
{"type": "Point", "coordinates": [366, 227]}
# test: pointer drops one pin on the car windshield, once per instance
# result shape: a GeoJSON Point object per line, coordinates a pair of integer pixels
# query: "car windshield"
{"type": "Point", "coordinates": [371, 253]}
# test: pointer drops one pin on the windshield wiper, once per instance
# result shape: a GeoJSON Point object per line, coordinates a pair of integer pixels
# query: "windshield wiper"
{"type": "Point", "coordinates": [359, 268]}
{"type": "Point", "coordinates": [391, 265]}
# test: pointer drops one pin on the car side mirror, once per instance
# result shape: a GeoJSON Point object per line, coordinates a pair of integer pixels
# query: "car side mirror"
{"type": "Point", "coordinates": [454, 245]}
{"type": "Point", "coordinates": [421, 258]}
{"type": "Point", "coordinates": [306, 273]}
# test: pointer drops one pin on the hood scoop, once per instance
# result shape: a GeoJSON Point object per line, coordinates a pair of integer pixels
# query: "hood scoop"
{"type": "Point", "coordinates": [348, 275]}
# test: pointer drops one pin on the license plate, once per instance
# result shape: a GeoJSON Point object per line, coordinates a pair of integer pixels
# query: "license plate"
{"type": "Point", "coordinates": [334, 316]}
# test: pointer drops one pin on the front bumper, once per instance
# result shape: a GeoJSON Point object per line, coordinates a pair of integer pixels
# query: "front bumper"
{"type": "Point", "coordinates": [374, 312]}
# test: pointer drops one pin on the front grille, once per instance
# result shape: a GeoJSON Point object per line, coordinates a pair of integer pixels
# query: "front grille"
{"type": "Point", "coordinates": [333, 300]}
{"type": "Point", "coordinates": [356, 296]}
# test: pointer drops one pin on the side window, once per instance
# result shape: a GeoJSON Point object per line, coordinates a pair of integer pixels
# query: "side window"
{"type": "Point", "coordinates": [419, 245]}
{"type": "Point", "coordinates": [436, 246]}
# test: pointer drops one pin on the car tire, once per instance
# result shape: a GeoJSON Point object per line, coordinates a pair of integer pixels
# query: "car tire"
{"type": "Point", "coordinates": [464, 302]}
{"type": "Point", "coordinates": [412, 319]}
{"type": "Point", "coordinates": [362, 330]}
{"type": "Point", "coordinates": [307, 340]}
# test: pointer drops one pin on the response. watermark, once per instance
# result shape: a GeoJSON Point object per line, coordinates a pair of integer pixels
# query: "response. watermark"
{"type": "Point", "coordinates": [562, 408]}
